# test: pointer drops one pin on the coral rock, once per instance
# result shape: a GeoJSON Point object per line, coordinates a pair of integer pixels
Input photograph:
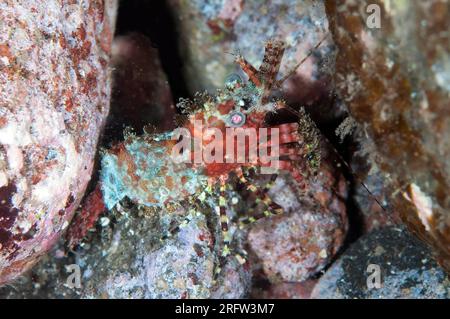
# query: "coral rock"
{"type": "Point", "coordinates": [126, 258]}
{"type": "Point", "coordinates": [138, 270]}
{"type": "Point", "coordinates": [54, 97]}
{"type": "Point", "coordinates": [374, 211]}
{"type": "Point", "coordinates": [387, 263]}
{"type": "Point", "coordinates": [130, 260]}
{"type": "Point", "coordinates": [297, 245]}
{"type": "Point", "coordinates": [394, 79]}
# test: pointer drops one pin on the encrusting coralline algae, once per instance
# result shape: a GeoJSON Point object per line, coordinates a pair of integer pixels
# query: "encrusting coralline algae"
{"type": "Point", "coordinates": [54, 98]}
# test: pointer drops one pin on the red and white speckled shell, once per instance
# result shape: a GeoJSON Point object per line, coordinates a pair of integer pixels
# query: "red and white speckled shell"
{"type": "Point", "coordinates": [54, 98]}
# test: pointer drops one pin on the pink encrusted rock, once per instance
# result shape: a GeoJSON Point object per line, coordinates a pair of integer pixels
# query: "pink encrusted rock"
{"type": "Point", "coordinates": [296, 245]}
{"type": "Point", "coordinates": [54, 97]}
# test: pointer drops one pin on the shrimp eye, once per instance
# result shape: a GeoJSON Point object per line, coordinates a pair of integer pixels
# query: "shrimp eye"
{"type": "Point", "coordinates": [232, 81]}
{"type": "Point", "coordinates": [236, 119]}
{"type": "Point", "coordinates": [310, 157]}
{"type": "Point", "coordinates": [245, 104]}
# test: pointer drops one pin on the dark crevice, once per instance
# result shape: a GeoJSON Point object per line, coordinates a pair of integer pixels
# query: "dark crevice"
{"type": "Point", "coordinates": [154, 20]}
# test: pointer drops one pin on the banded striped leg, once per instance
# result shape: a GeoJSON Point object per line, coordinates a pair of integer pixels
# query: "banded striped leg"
{"type": "Point", "coordinates": [262, 195]}
{"type": "Point", "coordinates": [267, 186]}
{"type": "Point", "coordinates": [253, 189]}
{"type": "Point", "coordinates": [172, 231]}
{"type": "Point", "coordinates": [176, 226]}
{"type": "Point", "coordinates": [287, 165]}
{"type": "Point", "coordinates": [226, 239]}
{"type": "Point", "coordinates": [226, 250]}
{"type": "Point", "coordinates": [268, 70]}
{"type": "Point", "coordinates": [271, 208]}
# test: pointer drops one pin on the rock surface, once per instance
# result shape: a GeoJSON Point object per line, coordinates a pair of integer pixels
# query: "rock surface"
{"type": "Point", "coordinates": [127, 257]}
{"type": "Point", "coordinates": [211, 30]}
{"type": "Point", "coordinates": [134, 263]}
{"type": "Point", "coordinates": [300, 243]}
{"type": "Point", "coordinates": [54, 97]}
{"type": "Point", "coordinates": [374, 211]}
{"type": "Point", "coordinates": [394, 79]}
{"type": "Point", "coordinates": [407, 269]}
{"type": "Point", "coordinates": [399, 100]}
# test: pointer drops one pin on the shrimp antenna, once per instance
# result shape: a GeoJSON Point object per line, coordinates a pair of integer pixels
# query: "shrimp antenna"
{"type": "Point", "coordinates": [290, 73]}
{"type": "Point", "coordinates": [238, 53]}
